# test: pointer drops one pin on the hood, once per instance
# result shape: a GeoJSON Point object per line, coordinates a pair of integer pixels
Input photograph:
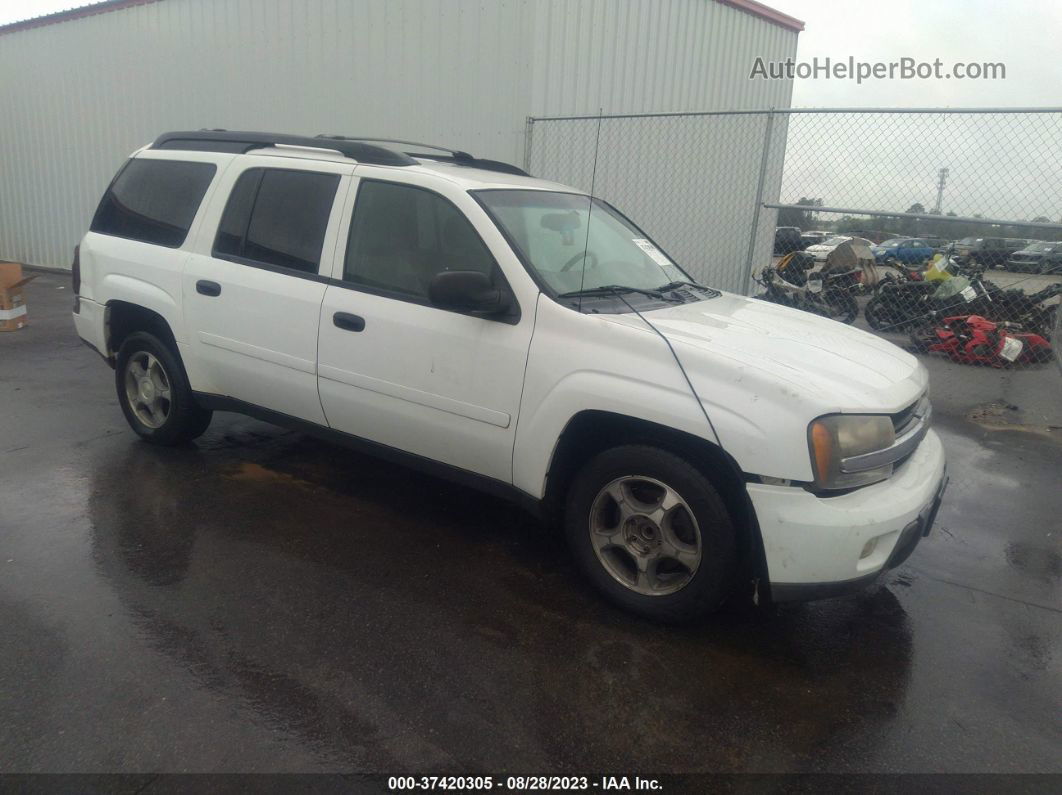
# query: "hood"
{"type": "Point", "coordinates": [771, 350]}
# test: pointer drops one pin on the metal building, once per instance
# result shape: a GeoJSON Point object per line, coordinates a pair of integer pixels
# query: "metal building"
{"type": "Point", "coordinates": [82, 89]}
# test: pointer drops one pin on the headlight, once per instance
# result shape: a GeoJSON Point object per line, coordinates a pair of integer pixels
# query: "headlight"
{"type": "Point", "coordinates": [839, 436]}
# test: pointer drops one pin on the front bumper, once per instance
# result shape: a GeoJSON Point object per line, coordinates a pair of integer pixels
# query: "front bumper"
{"type": "Point", "coordinates": [1031, 265]}
{"type": "Point", "coordinates": [820, 546]}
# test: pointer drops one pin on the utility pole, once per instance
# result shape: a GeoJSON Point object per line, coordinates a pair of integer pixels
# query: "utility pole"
{"type": "Point", "coordinates": [942, 178]}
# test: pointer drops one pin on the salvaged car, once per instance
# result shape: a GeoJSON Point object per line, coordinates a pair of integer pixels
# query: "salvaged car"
{"type": "Point", "coordinates": [1038, 257]}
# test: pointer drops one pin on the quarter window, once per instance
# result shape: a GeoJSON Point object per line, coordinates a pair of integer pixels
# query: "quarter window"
{"type": "Point", "coordinates": [402, 236]}
{"type": "Point", "coordinates": [233, 227]}
{"type": "Point", "coordinates": [153, 201]}
{"type": "Point", "coordinates": [277, 217]}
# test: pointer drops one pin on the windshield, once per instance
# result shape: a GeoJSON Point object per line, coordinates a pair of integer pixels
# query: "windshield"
{"type": "Point", "coordinates": [836, 241]}
{"type": "Point", "coordinates": [892, 243]}
{"type": "Point", "coordinates": [550, 231]}
{"type": "Point", "coordinates": [951, 287]}
{"type": "Point", "coordinates": [1040, 247]}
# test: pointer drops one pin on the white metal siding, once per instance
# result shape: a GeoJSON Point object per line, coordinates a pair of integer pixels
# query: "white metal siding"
{"type": "Point", "coordinates": [78, 96]}
{"type": "Point", "coordinates": [642, 56]}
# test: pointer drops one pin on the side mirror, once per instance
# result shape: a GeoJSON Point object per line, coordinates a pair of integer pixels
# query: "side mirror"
{"type": "Point", "coordinates": [467, 291]}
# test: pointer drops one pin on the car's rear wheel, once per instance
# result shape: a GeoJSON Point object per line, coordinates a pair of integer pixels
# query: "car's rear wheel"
{"type": "Point", "coordinates": [652, 533]}
{"type": "Point", "coordinates": [154, 393]}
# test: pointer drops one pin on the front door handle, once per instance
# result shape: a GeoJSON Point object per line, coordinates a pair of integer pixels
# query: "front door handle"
{"type": "Point", "coordinates": [204, 287]}
{"type": "Point", "coordinates": [348, 322]}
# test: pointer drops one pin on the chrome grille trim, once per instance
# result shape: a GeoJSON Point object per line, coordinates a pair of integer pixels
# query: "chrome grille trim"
{"type": "Point", "coordinates": [908, 437]}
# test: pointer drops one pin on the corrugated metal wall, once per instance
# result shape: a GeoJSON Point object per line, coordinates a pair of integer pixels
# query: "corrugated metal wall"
{"type": "Point", "coordinates": [642, 56]}
{"type": "Point", "coordinates": [79, 95]}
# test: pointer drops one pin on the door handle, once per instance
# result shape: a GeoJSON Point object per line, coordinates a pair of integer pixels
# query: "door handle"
{"type": "Point", "coordinates": [204, 287]}
{"type": "Point", "coordinates": [348, 322]}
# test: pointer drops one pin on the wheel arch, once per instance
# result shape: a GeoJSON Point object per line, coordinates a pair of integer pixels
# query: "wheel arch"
{"type": "Point", "coordinates": [123, 318]}
{"type": "Point", "coordinates": [591, 431]}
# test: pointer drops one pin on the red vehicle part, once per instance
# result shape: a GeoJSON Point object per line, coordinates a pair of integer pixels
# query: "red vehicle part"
{"type": "Point", "coordinates": [972, 339]}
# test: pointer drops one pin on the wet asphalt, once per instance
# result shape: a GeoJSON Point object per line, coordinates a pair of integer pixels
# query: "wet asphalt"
{"type": "Point", "coordinates": [262, 601]}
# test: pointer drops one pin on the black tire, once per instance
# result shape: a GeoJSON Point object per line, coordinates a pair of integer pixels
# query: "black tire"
{"type": "Point", "coordinates": [922, 337]}
{"type": "Point", "coordinates": [182, 420]}
{"type": "Point", "coordinates": [878, 317]}
{"type": "Point", "coordinates": [714, 577]}
{"type": "Point", "coordinates": [840, 306]}
{"type": "Point", "coordinates": [1047, 323]}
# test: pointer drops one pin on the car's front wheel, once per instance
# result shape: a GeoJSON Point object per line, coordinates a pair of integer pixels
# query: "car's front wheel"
{"type": "Point", "coordinates": [154, 393]}
{"type": "Point", "coordinates": [652, 533]}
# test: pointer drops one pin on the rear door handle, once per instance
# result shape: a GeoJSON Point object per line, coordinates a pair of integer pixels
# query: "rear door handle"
{"type": "Point", "coordinates": [348, 322]}
{"type": "Point", "coordinates": [204, 287]}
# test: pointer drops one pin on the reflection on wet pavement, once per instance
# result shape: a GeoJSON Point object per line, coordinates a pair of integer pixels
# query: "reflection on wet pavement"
{"type": "Point", "coordinates": [263, 601]}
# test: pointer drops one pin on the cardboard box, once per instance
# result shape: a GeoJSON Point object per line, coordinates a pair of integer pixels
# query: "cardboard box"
{"type": "Point", "coordinates": [12, 305]}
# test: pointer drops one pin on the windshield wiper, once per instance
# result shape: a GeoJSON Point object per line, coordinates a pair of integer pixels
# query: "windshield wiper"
{"type": "Point", "coordinates": [675, 285]}
{"type": "Point", "coordinates": [611, 289]}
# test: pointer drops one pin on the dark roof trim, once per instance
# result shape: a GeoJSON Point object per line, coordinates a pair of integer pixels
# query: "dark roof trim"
{"type": "Point", "coordinates": [242, 142]}
{"type": "Point", "coordinates": [71, 14]}
{"type": "Point", "coordinates": [767, 13]}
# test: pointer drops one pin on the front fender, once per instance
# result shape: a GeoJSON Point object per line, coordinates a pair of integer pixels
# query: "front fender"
{"type": "Point", "coordinates": [573, 366]}
{"type": "Point", "coordinates": [539, 432]}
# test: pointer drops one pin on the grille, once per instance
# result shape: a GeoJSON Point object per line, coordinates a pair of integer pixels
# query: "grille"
{"type": "Point", "coordinates": [902, 420]}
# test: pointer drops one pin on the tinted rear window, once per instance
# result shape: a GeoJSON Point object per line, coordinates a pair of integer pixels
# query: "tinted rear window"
{"type": "Point", "coordinates": [153, 201]}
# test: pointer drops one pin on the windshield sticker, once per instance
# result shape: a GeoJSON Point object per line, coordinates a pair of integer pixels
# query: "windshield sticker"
{"type": "Point", "coordinates": [655, 254]}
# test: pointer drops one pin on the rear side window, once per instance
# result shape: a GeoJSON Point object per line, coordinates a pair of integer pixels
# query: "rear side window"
{"type": "Point", "coordinates": [153, 201]}
{"type": "Point", "coordinates": [277, 217]}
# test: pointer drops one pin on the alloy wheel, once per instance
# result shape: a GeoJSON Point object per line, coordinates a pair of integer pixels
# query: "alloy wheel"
{"type": "Point", "coordinates": [147, 388]}
{"type": "Point", "coordinates": [645, 535]}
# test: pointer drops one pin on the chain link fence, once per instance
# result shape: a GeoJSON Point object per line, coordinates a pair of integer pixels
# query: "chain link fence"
{"type": "Point", "coordinates": [689, 180]}
{"type": "Point", "coordinates": [939, 230]}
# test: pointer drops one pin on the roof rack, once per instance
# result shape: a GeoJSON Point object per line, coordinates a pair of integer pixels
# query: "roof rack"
{"type": "Point", "coordinates": [241, 142]}
{"type": "Point", "coordinates": [450, 156]}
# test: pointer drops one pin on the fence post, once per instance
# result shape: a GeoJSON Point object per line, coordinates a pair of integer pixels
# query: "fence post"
{"type": "Point", "coordinates": [1056, 335]}
{"type": "Point", "coordinates": [754, 231]}
{"type": "Point", "coordinates": [528, 128]}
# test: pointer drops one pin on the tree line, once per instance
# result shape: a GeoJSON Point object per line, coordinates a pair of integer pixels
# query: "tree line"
{"type": "Point", "coordinates": [910, 227]}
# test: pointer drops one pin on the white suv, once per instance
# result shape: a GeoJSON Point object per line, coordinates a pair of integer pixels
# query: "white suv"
{"type": "Point", "coordinates": [458, 315]}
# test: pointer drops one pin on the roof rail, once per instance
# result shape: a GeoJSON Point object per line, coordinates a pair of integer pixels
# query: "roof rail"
{"type": "Point", "coordinates": [241, 142]}
{"type": "Point", "coordinates": [475, 162]}
{"type": "Point", "coordinates": [451, 156]}
{"type": "Point", "coordinates": [448, 150]}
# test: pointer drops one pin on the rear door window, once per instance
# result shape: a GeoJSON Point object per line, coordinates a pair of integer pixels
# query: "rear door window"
{"type": "Point", "coordinates": [153, 201]}
{"type": "Point", "coordinates": [277, 217]}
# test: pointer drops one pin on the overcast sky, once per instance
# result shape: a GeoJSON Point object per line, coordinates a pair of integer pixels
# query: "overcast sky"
{"type": "Point", "coordinates": [1023, 34]}
{"type": "Point", "coordinates": [16, 10]}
